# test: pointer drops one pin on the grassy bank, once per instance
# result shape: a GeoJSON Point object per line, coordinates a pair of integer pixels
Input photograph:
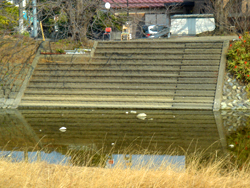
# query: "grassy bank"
{"type": "Point", "coordinates": [47, 175]}
{"type": "Point", "coordinates": [16, 56]}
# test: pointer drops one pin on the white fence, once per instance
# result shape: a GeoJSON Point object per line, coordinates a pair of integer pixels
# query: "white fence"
{"type": "Point", "coordinates": [191, 24]}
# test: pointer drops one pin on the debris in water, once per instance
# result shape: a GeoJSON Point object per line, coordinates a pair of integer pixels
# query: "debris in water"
{"type": "Point", "coordinates": [133, 112]}
{"type": "Point", "coordinates": [63, 129]}
{"type": "Point", "coordinates": [112, 144]}
{"type": "Point", "coordinates": [231, 146]}
{"type": "Point", "coordinates": [126, 112]}
{"type": "Point", "coordinates": [40, 130]}
{"type": "Point", "coordinates": [141, 116]}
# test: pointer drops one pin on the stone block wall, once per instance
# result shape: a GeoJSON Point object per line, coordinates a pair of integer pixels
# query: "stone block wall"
{"type": "Point", "coordinates": [234, 94]}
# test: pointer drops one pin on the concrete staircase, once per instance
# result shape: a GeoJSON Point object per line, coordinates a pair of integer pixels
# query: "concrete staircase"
{"type": "Point", "coordinates": [130, 74]}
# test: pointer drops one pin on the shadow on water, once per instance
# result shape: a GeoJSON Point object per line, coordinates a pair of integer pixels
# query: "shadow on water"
{"type": "Point", "coordinates": [110, 134]}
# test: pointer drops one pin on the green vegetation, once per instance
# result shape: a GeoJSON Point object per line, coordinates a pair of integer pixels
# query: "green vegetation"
{"type": "Point", "coordinates": [239, 58]}
{"type": "Point", "coordinates": [9, 16]}
{"type": "Point", "coordinates": [60, 51]}
{"type": "Point", "coordinates": [240, 141]}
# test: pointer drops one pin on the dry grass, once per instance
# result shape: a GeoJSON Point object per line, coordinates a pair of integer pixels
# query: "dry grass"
{"type": "Point", "coordinates": [46, 175]}
{"type": "Point", "coordinates": [16, 56]}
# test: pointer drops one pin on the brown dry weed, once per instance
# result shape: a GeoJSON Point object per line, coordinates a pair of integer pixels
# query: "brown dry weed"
{"type": "Point", "coordinates": [48, 175]}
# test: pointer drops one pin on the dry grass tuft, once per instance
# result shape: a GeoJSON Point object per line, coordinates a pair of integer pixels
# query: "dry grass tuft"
{"type": "Point", "coordinates": [47, 175]}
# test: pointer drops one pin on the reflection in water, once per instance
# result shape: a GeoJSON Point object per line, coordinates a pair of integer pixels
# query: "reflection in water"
{"type": "Point", "coordinates": [18, 156]}
{"type": "Point", "coordinates": [94, 136]}
{"type": "Point", "coordinates": [237, 126]}
{"type": "Point", "coordinates": [151, 161]}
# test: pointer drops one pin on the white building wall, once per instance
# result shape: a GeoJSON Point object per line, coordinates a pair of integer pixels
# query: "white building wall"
{"type": "Point", "coordinates": [191, 24]}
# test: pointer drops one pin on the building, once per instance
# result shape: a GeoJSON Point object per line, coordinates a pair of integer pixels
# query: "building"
{"type": "Point", "coordinates": [150, 12]}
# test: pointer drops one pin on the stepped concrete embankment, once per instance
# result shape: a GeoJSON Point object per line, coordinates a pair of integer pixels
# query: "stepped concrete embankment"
{"type": "Point", "coordinates": [183, 73]}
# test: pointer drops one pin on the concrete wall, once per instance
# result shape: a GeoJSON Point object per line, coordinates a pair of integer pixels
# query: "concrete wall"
{"type": "Point", "coordinates": [191, 24]}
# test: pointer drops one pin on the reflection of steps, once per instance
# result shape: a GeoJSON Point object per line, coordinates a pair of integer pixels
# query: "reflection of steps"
{"type": "Point", "coordinates": [15, 133]}
{"type": "Point", "coordinates": [189, 130]}
{"type": "Point", "coordinates": [137, 74]}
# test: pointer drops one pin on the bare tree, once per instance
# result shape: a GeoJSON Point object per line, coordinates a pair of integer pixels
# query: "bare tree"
{"type": "Point", "coordinates": [79, 14]}
{"type": "Point", "coordinates": [230, 15]}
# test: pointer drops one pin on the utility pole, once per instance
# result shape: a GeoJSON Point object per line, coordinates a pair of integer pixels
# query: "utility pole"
{"type": "Point", "coordinates": [127, 11]}
{"type": "Point", "coordinates": [34, 19]}
{"type": "Point", "coordinates": [20, 16]}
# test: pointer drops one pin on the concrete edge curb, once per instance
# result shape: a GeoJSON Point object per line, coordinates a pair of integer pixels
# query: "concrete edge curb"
{"type": "Point", "coordinates": [220, 80]}
{"type": "Point", "coordinates": [93, 49]}
{"type": "Point", "coordinates": [27, 78]}
{"type": "Point", "coordinates": [221, 131]}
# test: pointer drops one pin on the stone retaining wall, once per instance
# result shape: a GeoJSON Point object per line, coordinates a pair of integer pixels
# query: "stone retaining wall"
{"type": "Point", "coordinates": [234, 94]}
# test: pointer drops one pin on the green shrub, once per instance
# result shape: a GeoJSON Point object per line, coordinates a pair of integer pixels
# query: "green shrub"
{"type": "Point", "coordinates": [238, 58]}
{"type": "Point", "coordinates": [9, 16]}
{"type": "Point", "coordinates": [60, 51]}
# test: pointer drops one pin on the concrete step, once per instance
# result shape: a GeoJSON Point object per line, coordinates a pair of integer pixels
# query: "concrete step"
{"type": "Point", "coordinates": [111, 74]}
{"type": "Point", "coordinates": [152, 44]}
{"type": "Point", "coordinates": [158, 56]}
{"type": "Point", "coordinates": [100, 97]}
{"type": "Point", "coordinates": [156, 51]}
{"type": "Point", "coordinates": [63, 58]}
{"type": "Point", "coordinates": [115, 91]}
{"type": "Point", "coordinates": [141, 86]}
{"type": "Point", "coordinates": [124, 80]}
{"type": "Point", "coordinates": [134, 69]}
{"type": "Point", "coordinates": [183, 62]}
{"type": "Point", "coordinates": [122, 62]}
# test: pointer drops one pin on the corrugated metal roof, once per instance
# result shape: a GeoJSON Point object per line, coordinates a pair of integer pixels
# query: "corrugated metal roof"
{"type": "Point", "coordinates": [140, 3]}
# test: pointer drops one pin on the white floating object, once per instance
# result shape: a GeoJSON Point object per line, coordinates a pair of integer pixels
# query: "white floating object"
{"type": "Point", "coordinates": [231, 146]}
{"type": "Point", "coordinates": [133, 112]}
{"type": "Point", "coordinates": [126, 112]}
{"type": "Point", "coordinates": [173, 116]}
{"type": "Point", "coordinates": [112, 144]}
{"type": "Point", "coordinates": [63, 129]}
{"type": "Point", "coordinates": [141, 116]}
{"type": "Point", "coordinates": [151, 119]}
{"type": "Point", "coordinates": [40, 130]}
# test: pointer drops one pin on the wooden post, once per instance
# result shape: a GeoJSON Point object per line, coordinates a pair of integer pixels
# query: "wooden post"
{"type": "Point", "coordinates": [42, 30]}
